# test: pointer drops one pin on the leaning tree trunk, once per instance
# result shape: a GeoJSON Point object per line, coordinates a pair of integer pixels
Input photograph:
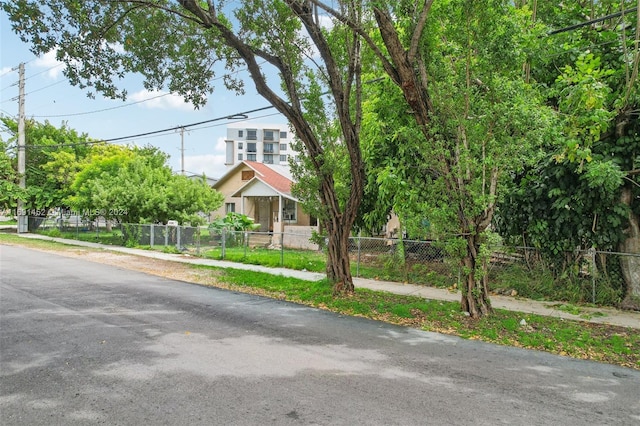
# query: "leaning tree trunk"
{"type": "Point", "coordinates": [475, 294]}
{"type": "Point", "coordinates": [630, 264]}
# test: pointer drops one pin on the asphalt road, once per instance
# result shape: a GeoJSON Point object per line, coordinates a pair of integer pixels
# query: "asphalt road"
{"type": "Point", "coordinates": [84, 343]}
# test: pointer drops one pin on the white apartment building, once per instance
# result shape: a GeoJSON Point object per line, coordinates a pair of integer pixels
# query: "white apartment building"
{"type": "Point", "coordinates": [264, 143]}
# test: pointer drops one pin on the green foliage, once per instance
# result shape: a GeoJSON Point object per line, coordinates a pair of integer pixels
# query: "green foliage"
{"type": "Point", "coordinates": [134, 185]}
{"type": "Point", "coordinates": [234, 222]}
{"type": "Point", "coordinates": [52, 158]}
{"type": "Point", "coordinates": [486, 123]}
{"type": "Point", "coordinates": [572, 198]}
{"type": "Point", "coordinates": [583, 96]}
{"type": "Point", "coordinates": [9, 188]}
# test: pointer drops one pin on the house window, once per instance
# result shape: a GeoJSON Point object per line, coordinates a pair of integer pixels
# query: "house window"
{"type": "Point", "coordinates": [240, 157]}
{"type": "Point", "coordinates": [268, 135]}
{"type": "Point", "coordinates": [247, 174]}
{"type": "Point", "coordinates": [268, 159]}
{"type": "Point", "coordinates": [230, 207]}
{"type": "Point", "coordinates": [283, 135]}
{"type": "Point", "coordinates": [283, 158]}
{"type": "Point", "coordinates": [251, 147]}
{"type": "Point", "coordinates": [240, 133]}
{"type": "Point", "coordinates": [251, 157]}
{"type": "Point", "coordinates": [252, 134]}
{"type": "Point", "coordinates": [240, 145]}
{"type": "Point", "coordinates": [283, 147]}
{"type": "Point", "coordinates": [289, 210]}
{"type": "Point", "coordinates": [268, 147]}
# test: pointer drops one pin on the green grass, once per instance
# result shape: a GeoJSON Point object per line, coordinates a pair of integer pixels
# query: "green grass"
{"type": "Point", "coordinates": [541, 284]}
{"type": "Point", "coordinates": [599, 342]}
{"type": "Point", "coordinates": [291, 259]}
{"type": "Point", "coordinates": [9, 222]}
{"type": "Point", "coordinates": [113, 238]}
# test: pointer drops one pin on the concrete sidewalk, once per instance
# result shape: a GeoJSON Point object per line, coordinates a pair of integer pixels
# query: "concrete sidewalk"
{"type": "Point", "coordinates": [595, 315]}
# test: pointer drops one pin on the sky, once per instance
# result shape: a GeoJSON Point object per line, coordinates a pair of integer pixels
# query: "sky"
{"type": "Point", "coordinates": [49, 96]}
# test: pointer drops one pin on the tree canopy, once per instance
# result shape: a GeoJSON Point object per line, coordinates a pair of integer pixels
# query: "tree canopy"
{"type": "Point", "coordinates": [135, 185]}
{"type": "Point", "coordinates": [584, 193]}
{"type": "Point", "coordinates": [53, 154]}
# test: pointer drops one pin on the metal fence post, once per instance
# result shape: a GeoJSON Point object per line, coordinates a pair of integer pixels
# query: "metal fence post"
{"type": "Point", "coordinates": [359, 246]}
{"type": "Point", "coordinates": [594, 271]}
{"type": "Point", "coordinates": [282, 249]}
{"type": "Point", "coordinates": [166, 235]}
{"type": "Point", "coordinates": [151, 235]}
{"type": "Point", "coordinates": [197, 234]}
{"type": "Point", "coordinates": [223, 240]}
{"type": "Point", "coordinates": [178, 237]}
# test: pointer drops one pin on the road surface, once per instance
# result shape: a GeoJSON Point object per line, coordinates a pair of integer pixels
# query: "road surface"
{"type": "Point", "coordinates": [83, 343]}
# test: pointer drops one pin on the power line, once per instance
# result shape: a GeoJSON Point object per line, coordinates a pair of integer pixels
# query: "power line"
{"type": "Point", "coordinates": [203, 127]}
{"type": "Point", "coordinates": [47, 70]}
{"type": "Point", "coordinates": [172, 129]}
{"type": "Point", "coordinates": [592, 21]}
{"type": "Point", "coordinates": [10, 70]}
{"type": "Point", "coordinates": [45, 87]}
{"type": "Point", "coordinates": [34, 91]}
{"type": "Point", "coordinates": [155, 132]}
{"type": "Point", "coordinates": [102, 110]}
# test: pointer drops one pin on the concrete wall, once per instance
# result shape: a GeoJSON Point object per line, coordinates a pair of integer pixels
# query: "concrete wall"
{"type": "Point", "coordinates": [298, 237]}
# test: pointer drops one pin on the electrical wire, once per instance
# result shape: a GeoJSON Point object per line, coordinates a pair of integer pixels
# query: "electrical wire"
{"type": "Point", "coordinates": [592, 21]}
{"type": "Point", "coordinates": [155, 132]}
{"type": "Point", "coordinates": [101, 110]}
{"type": "Point", "coordinates": [44, 71]}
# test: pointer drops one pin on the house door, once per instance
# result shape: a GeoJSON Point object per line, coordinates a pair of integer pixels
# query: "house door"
{"type": "Point", "coordinates": [264, 214]}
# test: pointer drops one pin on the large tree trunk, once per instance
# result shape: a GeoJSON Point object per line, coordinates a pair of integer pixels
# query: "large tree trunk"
{"type": "Point", "coordinates": [475, 294]}
{"type": "Point", "coordinates": [338, 262]}
{"type": "Point", "coordinates": [631, 264]}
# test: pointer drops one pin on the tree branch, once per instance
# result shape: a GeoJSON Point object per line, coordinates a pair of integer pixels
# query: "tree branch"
{"type": "Point", "coordinates": [386, 64]}
{"type": "Point", "coordinates": [417, 32]}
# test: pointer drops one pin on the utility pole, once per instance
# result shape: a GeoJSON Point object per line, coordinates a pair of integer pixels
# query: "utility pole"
{"type": "Point", "coordinates": [23, 219]}
{"type": "Point", "coordinates": [182, 149]}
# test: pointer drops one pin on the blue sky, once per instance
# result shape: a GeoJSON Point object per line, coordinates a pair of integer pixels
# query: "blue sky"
{"type": "Point", "coordinates": [49, 96]}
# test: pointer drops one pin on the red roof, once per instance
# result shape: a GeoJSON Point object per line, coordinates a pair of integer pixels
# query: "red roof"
{"type": "Point", "coordinates": [271, 177]}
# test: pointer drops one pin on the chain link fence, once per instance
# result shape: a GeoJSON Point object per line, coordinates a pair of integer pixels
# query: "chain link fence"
{"type": "Point", "coordinates": [588, 276]}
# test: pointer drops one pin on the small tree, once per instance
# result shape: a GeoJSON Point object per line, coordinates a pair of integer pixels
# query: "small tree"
{"type": "Point", "coordinates": [53, 155]}
{"type": "Point", "coordinates": [234, 222]}
{"type": "Point", "coordinates": [137, 186]}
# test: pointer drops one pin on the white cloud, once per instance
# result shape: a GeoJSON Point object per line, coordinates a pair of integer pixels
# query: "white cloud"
{"type": "Point", "coordinates": [161, 100]}
{"type": "Point", "coordinates": [210, 164]}
{"type": "Point", "coordinates": [5, 71]}
{"type": "Point", "coordinates": [221, 146]}
{"type": "Point", "coordinates": [50, 63]}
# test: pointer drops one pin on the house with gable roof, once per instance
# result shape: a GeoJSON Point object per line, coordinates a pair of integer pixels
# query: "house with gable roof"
{"type": "Point", "coordinates": [263, 192]}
